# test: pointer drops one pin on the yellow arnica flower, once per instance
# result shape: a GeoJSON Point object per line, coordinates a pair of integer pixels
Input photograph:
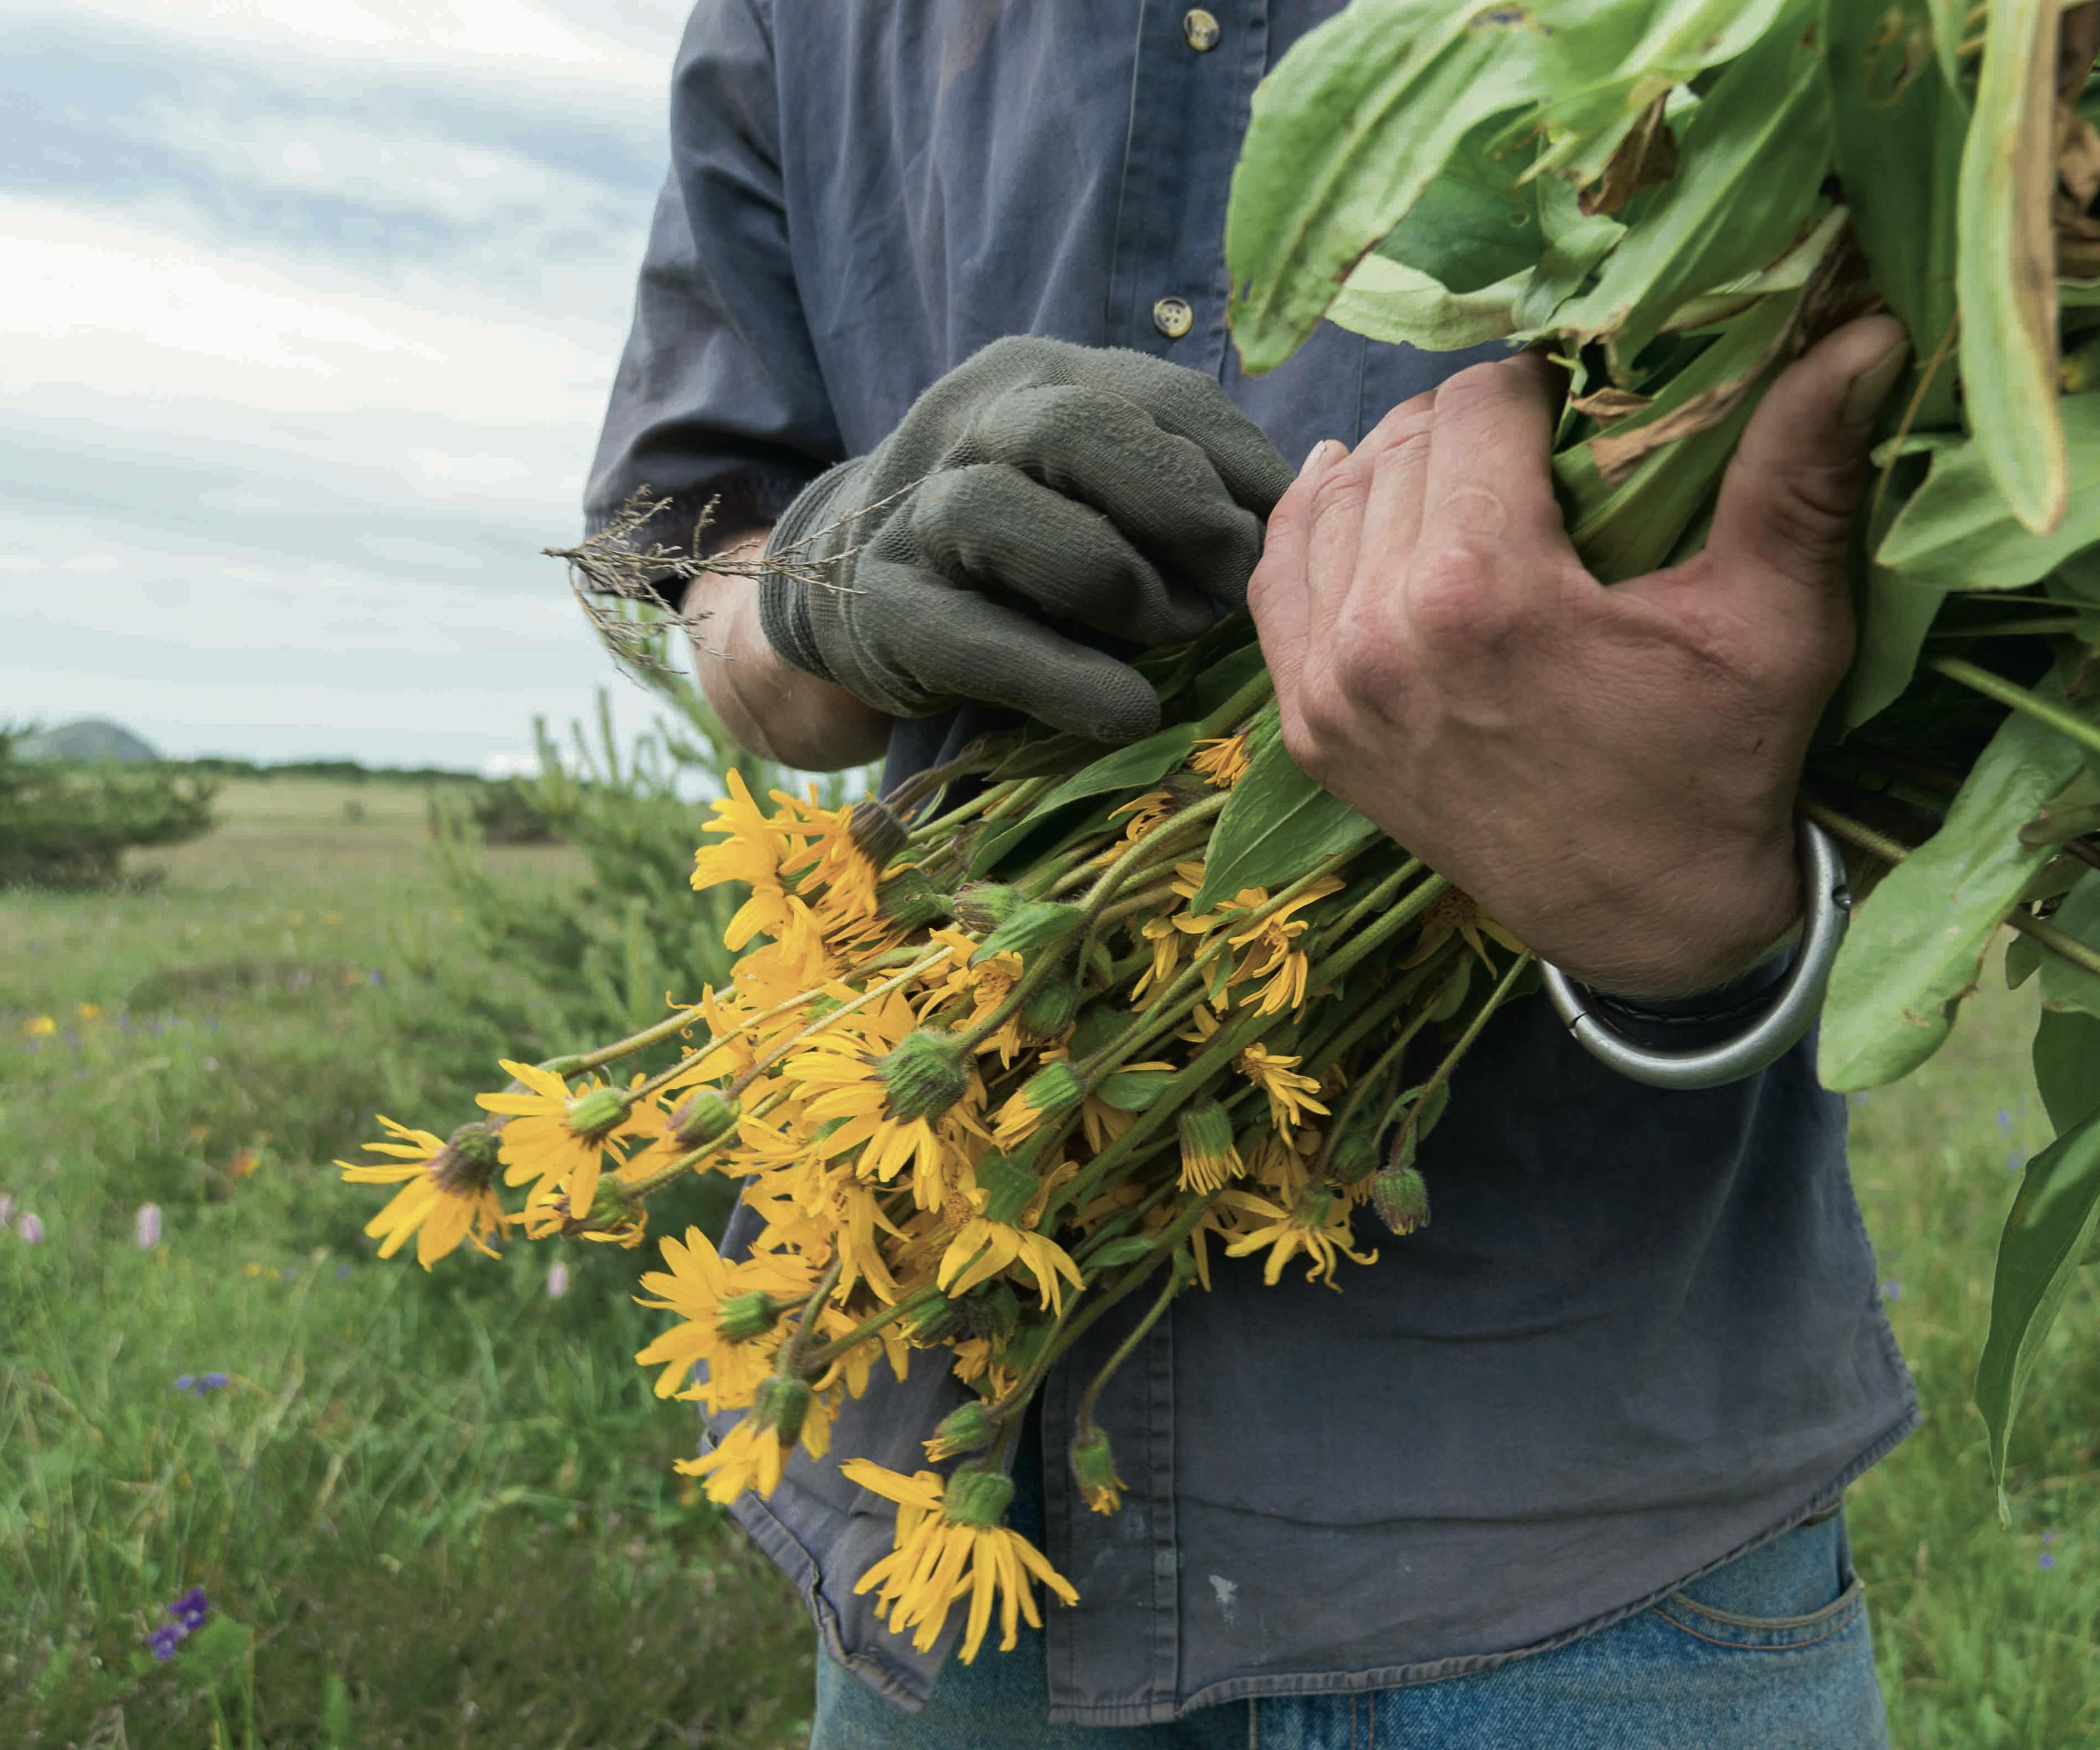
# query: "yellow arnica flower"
{"type": "Point", "coordinates": [951, 1544]}
{"type": "Point", "coordinates": [449, 1200]}
{"type": "Point", "coordinates": [1290, 1094]}
{"type": "Point", "coordinates": [1271, 948]}
{"type": "Point", "coordinates": [1209, 1159]}
{"type": "Point", "coordinates": [1317, 1224]}
{"type": "Point", "coordinates": [1145, 814]}
{"type": "Point", "coordinates": [752, 1455]}
{"type": "Point", "coordinates": [1222, 763]}
{"type": "Point", "coordinates": [695, 1286]}
{"type": "Point", "coordinates": [752, 852]}
{"type": "Point", "coordinates": [559, 1138]}
{"type": "Point", "coordinates": [40, 1026]}
{"type": "Point", "coordinates": [1453, 913]}
{"type": "Point", "coordinates": [985, 1247]}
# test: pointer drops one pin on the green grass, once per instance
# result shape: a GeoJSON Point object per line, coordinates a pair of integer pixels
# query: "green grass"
{"type": "Point", "coordinates": [443, 1504]}
{"type": "Point", "coordinates": [439, 1511]}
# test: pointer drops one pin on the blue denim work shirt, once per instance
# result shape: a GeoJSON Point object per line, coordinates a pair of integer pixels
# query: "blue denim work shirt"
{"type": "Point", "coordinates": [1643, 1333]}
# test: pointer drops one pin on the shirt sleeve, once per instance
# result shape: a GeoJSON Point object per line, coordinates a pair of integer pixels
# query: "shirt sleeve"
{"type": "Point", "coordinates": [719, 395]}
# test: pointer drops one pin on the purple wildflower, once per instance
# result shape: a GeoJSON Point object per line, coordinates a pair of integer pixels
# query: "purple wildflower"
{"type": "Point", "coordinates": [146, 1226]}
{"type": "Point", "coordinates": [161, 1643]}
{"type": "Point", "coordinates": [1891, 1288]}
{"type": "Point", "coordinates": [29, 1229]}
{"type": "Point", "coordinates": [2045, 1560]}
{"type": "Point", "coordinates": [2015, 1160]}
{"type": "Point", "coordinates": [190, 1608]}
{"type": "Point", "coordinates": [2005, 1121]}
{"type": "Point", "coordinates": [200, 1385]}
{"type": "Point", "coordinates": [558, 1280]}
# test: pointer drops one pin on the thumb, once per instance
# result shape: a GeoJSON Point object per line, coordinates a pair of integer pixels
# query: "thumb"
{"type": "Point", "coordinates": [1786, 503]}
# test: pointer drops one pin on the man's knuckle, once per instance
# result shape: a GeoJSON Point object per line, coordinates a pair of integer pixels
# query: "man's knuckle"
{"type": "Point", "coordinates": [1455, 603]}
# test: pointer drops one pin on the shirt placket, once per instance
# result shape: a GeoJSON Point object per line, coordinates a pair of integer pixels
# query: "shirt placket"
{"type": "Point", "coordinates": [1192, 87]}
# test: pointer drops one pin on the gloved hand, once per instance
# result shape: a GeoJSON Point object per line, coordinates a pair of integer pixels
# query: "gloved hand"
{"type": "Point", "coordinates": [1038, 482]}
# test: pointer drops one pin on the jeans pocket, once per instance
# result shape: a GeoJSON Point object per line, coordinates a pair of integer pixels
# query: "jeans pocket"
{"type": "Point", "coordinates": [1796, 1591]}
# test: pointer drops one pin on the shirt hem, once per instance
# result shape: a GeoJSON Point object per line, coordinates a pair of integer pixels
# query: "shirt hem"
{"type": "Point", "coordinates": [1437, 1670]}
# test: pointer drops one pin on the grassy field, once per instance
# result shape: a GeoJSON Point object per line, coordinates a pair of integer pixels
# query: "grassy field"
{"type": "Point", "coordinates": [439, 1511]}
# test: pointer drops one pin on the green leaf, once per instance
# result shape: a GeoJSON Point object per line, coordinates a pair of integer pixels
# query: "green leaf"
{"type": "Point", "coordinates": [2047, 1231]}
{"type": "Point", "coordinates": [2067, 1066]}
{"type": "Point", "coordinates": [1134, 1089]}
{"type": "Point", "coordinates": [1277, 825]}
{"type": "Point", "coordinates": [1386, 301]}
{"type": "Point", "coordinates": [1604, 61]}
{"type": "Point", "coordinates": [1959, 532]}
{"type": "Point", "coordinates": [1477, 220]}
{"type": "Point", "coordinates": [1897, 126]}
{"type": "Point", "coordinates": [2065, 986]}
{"type": "Point", "coordinates": [1917, 945]}
{"type": "Point", "coordinates": [1894, 614]}
{"type": "Point", "coordinates": [1355, 122]}
{"type": "Point", "coordinates": [1753, 153]}
{"type": "Point", "coordinates": [2006, 269]}
{"type": "Point", "coordinates": [1576, 242]}
{"type": "Point", "coordinates": [1137, 767]}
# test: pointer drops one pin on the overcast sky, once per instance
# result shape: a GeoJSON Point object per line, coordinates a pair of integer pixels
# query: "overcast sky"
{"type": "Point", "coordinates": [307, 312]}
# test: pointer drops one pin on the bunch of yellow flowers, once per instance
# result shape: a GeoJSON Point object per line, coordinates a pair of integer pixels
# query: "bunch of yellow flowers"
{"type": "Point", "coordinates": [1049, 1026]}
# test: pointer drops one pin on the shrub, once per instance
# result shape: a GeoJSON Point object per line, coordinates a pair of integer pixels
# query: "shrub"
{"type": "Point", "coordinates": [67, 824]}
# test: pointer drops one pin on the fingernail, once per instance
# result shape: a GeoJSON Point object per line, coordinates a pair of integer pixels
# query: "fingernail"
{"type": "Point", "coordinates": [1870, 387]}
{"type": "Point", "coordinates": [1314, 455]}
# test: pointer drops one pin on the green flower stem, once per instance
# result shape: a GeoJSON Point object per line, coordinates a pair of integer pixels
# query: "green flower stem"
{"type": "Point", "coordinates": [1379, 898]}
{"type": "Point", "coordinates": [735, 1089]}
{"type": "Point", "coordinates": [1380, 1067]}
{"type": "Point", "coordinates": [1177, 1281]}
{"type": "Point", "coordinates": [2047, 624]}
{"type": "Point", "coordinates": [642, 1189]}
{"type": "Point", "coordinates": [1075, 1326]}
{"type": "Point", "coordinates": [1381, 1009]}
{"type": "Point", "coordinates": [921, 785]}
{"type": "Point", "coordinates": [2064, 722]}
{"type": "Point", "coordinates": [578, 1062]}
{"type": "Point", "coordinates": [1247, 700]}
{"type": "Point", "coordinates": [790, 1365]}
{"type": "Point", "coordinates": [831, 1351]}
{"type": "Point", "coordinates": [1336, 965]}
{"type": "Point", "coordinates": [1890, 850]}
{"type": "Point", "coordinates": [1147, 848]}
{"type": "Point", "coordinates": [1157, 892]}
{"type": "Point", "coordinates": [1474, 1028]}
{"type": "Point", "coordinates": [941, 825]}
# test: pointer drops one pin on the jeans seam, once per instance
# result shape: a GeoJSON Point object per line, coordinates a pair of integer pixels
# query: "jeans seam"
{"type": "Point", "coordinates": [1837, 1626]}
{"type": "Point", "coordinates": [1729, 1618]}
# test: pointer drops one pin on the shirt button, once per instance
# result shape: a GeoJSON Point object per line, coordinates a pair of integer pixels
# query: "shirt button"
{"type": "Point", "coordinates": [1173, 317]}
{"type": "Point", "coordinates": [1201, 29]}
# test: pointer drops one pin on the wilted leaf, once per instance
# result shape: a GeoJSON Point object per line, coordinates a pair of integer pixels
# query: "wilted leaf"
{"type": "Point", "coordinates": [1755, 149]}
{"type": "Point", "coordinates": [2005, 268]}
{"type": "Point", "coordinates": [1917, 945]}
{"type": "Point", "coordinates": [1645, 158]}
{"type": "Point", "coordinates": [2047, 1231]}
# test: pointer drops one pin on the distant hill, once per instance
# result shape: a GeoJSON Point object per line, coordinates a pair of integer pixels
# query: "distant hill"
{"type": "Point", "coordinates": [87, 739]}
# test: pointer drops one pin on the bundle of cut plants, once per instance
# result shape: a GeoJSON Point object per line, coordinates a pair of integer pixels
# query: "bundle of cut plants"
{"type": "Point", "coordinates": [1057, 1026]}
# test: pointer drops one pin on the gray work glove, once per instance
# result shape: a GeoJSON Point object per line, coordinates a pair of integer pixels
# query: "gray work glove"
{"type": "Point", "coordinates": [1038, 482]}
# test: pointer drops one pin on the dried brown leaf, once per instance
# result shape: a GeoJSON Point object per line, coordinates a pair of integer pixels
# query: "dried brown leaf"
{"type": "Point", "coordinates": [1608, 403]}
{"type": "Point", "coordinates": [1645, 157]}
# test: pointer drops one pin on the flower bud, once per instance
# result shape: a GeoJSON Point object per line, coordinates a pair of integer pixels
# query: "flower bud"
{"type": "Point", "coordinates": [703, 1117]}
{"type": "Point", "coordinates": [908, 900]}
{"type": "Point", "coordinates": [1009, 1187]}
{"type": "Point", "coordinates": [1047, 1015]}
{"type": "Point", "coordinates": [468, 1160]}
{"type": "Point", "coordinates": [781, 1405]}
{"type": "Point", "coordinates": [983, 905]}
{"type": "Point", "coordinates": [1356, 1154]}
{"type": "Point", "coordinates": [876, 831]}
{"type": "Point", "coordinates": [1094, 1470]}
{"type": "Point", "coordinates": [742, 1317]}
{"type": "Point", "coordinates": [976, 1497]}
{"type": "Point", "coordinates": [935, 1320]}
{"type": "Point", "coordinates": [1033, 928]}
{"type": "Point", "coordinates": [1208, 1157]}
{"type": "Point", "coordinates": [923, 1074]}
{"type": "Point", "coordinates": [1402, 1199]}
{"type": "Point", "coordinates": [1054, 1090]}
{"type": "Point", "coordinates": [968, 1429]}
{"type": "Point", "coordinates": [992, 1311]}
{"type": "Point", "coordinates": [597, 1112]}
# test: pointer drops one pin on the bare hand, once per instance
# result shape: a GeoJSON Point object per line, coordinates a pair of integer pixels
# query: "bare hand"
{"type": "Point", "coordinates": [1609, 772]}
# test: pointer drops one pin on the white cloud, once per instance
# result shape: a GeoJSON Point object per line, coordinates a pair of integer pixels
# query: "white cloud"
{"type": "Point", "coordinates": [303, 354]}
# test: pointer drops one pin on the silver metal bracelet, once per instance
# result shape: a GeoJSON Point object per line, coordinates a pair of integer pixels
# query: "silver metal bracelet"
{"type": "Point", "coordinates": [1791, 1012]}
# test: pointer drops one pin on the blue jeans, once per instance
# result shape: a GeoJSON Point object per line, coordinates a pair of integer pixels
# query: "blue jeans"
{"type": "Point", "coordinates": [1770, 1652]}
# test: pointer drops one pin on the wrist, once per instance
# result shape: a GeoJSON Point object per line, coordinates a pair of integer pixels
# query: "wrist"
{"type": "Point", "coordinates": [1693, 931]}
